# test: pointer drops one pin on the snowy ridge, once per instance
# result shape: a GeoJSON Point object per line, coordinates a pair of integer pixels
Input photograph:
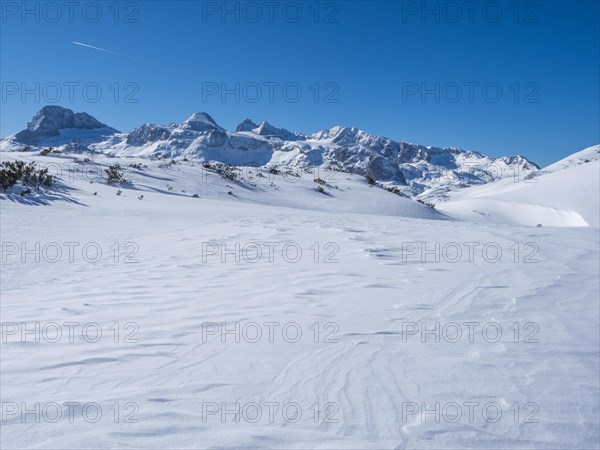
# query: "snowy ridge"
{"type": "Point", "coordinates": [585, 156]}
{"type": "Point", "coordinates": [565, 193]}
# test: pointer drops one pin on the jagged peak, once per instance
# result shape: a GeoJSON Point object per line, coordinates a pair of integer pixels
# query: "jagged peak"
{"type": "Point", "coordinates": [246, 125]}
{"type": "Point", "coordinates": [518, 160]}
{"type": "Point", "coordinates": [266, 129]}
{"type": "Point", "coordinates": [342, 134]}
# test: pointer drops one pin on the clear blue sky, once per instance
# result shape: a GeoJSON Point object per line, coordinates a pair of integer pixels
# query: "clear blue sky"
{"type": "Point", "coordinates": [374, 58]}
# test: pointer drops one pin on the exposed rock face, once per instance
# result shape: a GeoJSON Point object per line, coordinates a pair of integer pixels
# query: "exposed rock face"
{"type": "Point", "coordinates": [147, 133]}
{"type": "Point", "coordinates": [383, 169]}
{"type": "Point", "coordinates": [518, 160]}
{"type": "Point", "coordinates": [266, 129]}
{"type": "Point", "coordinates": [50, 119]}
{"type": "Point", "coordinates": [246, 125]}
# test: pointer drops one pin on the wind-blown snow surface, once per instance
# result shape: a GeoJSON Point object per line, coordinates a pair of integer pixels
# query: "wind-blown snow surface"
{"type": "Point", "coordinates": [562, 194]}
{"type": "Point", "coordinates": [367, 289]}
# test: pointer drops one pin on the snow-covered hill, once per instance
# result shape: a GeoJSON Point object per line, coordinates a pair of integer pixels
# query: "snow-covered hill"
{"type": "Point", "coordinates": [413, 168]}
{"type": "Point", "coordinates": [565, 193]}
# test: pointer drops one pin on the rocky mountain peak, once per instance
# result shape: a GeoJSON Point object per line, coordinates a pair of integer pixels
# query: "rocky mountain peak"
{"type": "Point", "coordinates": [246, 125]}
{"type": "Point", "coordinates": [48, 122]}
{"type": "Point", "coordinates": [201, 121]}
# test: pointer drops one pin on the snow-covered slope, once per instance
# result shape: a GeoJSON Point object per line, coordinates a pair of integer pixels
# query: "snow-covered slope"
{"type": "Point", "coordinates": [585, 156]}
{"type": "Point", "coordinates": [565, 193]}
{"type": "Point", "coordinates": [414, 168]}
{"type": "Point", "coordinates": [310, 189]}
{"type": "Point", "coordinates": [176, 332]}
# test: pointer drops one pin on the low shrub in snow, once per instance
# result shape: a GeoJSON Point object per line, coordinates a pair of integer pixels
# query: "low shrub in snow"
{"type": "Point", "coordinates": [430, 205]}
{"type": "Point", "coordinates": [322, 190]}
{"type": "Point", "coordinates": [13, 172]}
{"type": "Point", "coordinates": [114, 175]}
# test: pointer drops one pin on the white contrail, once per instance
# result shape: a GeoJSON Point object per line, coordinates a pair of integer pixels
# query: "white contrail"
{"type": "Point", "coordinates": [125, 56]}
{"type": "Point", "coordinates": [102, 49]}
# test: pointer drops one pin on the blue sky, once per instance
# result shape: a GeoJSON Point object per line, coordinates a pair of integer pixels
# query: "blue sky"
{"type": "Point", "coordinates": [500, 77]}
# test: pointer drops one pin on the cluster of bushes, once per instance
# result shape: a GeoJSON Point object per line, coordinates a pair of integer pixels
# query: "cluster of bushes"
{"type": "Point", "coordinates": [274, 170]}
{"type": "Point", "coordinates": [168, 164]}
{"type": "Point", "coordinates": [13, 172]}
{"type": "Point", "coordinates": [114, 175]}
{"type": "Point", "coordinates": [225, 171]}
{"type": "Point", "coordinates": [323, 184]}
{"type": "Point", "coordinates": [322, 190]}
{"type": "Point", "coordinates": [430, 205]}
{"type": "Point", "coordinates": [394, 190]}
{"type": "Point", "coordinates": [47, 151]}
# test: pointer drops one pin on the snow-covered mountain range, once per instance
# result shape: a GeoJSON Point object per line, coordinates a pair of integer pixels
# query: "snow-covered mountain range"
{"type": "Point", "coordinates": [416, 169]}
